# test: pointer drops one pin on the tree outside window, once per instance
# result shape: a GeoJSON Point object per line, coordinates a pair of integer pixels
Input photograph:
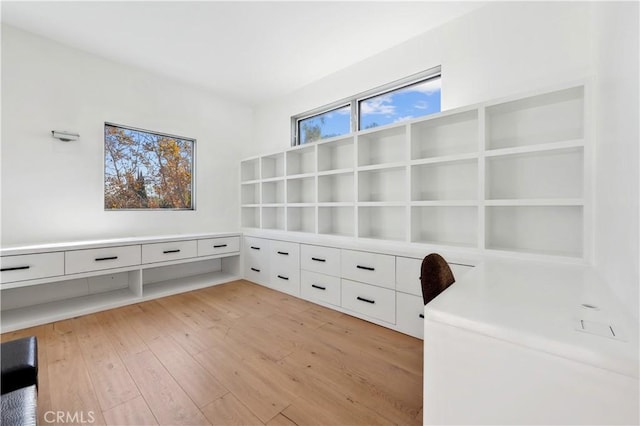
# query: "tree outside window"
{"type": "Point", "coordinates": [147, 170]}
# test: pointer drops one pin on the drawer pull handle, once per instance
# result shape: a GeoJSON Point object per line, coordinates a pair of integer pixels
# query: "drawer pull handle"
{"type": "Point", "coordinates": [317, 259]}
{"type": "Point", "coordinates": [283, 253]}
{"type": "Point", "coordinates": [366, 268]}
{"type": "Point", "coordinates": [255, 248]}
{"type": "Point", "coordinates": [255, 269]}
{"type": "Point", "coordinates": [171, 251]}
{"type": "Point", "coordinates": [421, 315]}
{"type": "Point", "coordinates": [283, 278]}
{"type": "Point", "coordinates": [366, 300]}
{"type": "Point", "coordinates": [219, 245]}
{"type": "Point", "coordinates": [14, 268]}
{"type": "Point", "coordinates": [319, 287]}
{"type": "Point", "coordinates": [100, 259]}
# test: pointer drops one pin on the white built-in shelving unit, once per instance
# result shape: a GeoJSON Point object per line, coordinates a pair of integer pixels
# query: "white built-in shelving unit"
{"type": "Point", "coordinates": [506, 175]}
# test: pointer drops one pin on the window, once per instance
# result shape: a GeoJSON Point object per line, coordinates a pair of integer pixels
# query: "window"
{"type": "Point", "coordinates": [147, 170]}
{"type": "Point", "coordinates": [326, 125]}
{"type": "Point", "coordinates": [398, 105]}
{"type": "Point", "coordinates": [412, 97]}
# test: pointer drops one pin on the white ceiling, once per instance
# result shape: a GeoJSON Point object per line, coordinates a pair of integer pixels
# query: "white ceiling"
{"type": "Point", "coordinates": [248, 51]}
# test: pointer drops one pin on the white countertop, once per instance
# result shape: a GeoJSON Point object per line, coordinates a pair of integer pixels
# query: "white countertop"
{"type": "Point", "coordinates": [539, 305]}
{"type": "Point", "coordinates": [89, 244]}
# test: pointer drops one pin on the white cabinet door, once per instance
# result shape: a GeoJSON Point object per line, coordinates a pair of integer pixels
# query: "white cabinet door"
{"type": "Point", "coordinates": [31, 266]}
{"type": "Point", "coordinates": [175, 250]}
{"type": "Point", "coordinates": [284, 264]}
{"type": "Point", "coordinates": [369, 300]}
{"type": "Point", "coordinates": [410, 314]}
{"type": "Point", "coordinates": [325, 260]}
{"type": "Point", "coordinates": [459, 270]}
{"type": "Point", "coordinates": [256, 260]}
{"type": "Point", "coordinates": [372, 268]}
{"type": "Point", "coordinates": [321, 287]}
{"type": "Point", "coordinates": [213, 246]}
{"type": "Point", "coordinates": [77, 261]}
{"type": "Point", "coordinates": [408, 275]}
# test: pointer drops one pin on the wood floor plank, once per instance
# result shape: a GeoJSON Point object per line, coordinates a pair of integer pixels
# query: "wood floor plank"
{"type": "Point", "coordinates": [166, 399]}
{"type": "Point", "coordinates": [226, 300]}
{"type": "Point", "coordinates": [122, 335]}
{"type": "Point", "coordinates": [399, 404]}
{"type": "Point", "coordinates": [39, 332]}
{"type": "Point", "coordinates": [260, 337]}
{"type": "Point", "coordinates": [156, 311]}
{"type": "Point", "coordinates": [229, 411]}
{"type": "Point", "coordinates": [44, 388]}
{"type": "Point", "coordinates": [280, 420]}
{"type": "Point", "coordinates": [197, 382]}
{"type": "Point", "coordinates": [318, 402]}
{"type": "Point", "coordinates": [400, 349]}
{"type": "Point", "coordinates": [145, 323]}
{"type": "Point", "coordinates": [182, 309]}
{"type": "Point", "coordinates": [74, 392]}
{"type": "Point", "coordinates": [111, 381]}
{"type": "Point", "coordinates": [196, 300]}
{"type": "Point", "coordinates": [135, 412]}
{"type": "Point", "coordinates": [249, 385]}
{"type": "Point", "coordinates": [196, 341]}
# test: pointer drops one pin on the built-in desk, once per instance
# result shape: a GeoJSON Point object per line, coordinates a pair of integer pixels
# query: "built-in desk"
{"type": "Point", "coordinates": [50, 282]}
{"type": "Point", "coordinates": [521, 342]}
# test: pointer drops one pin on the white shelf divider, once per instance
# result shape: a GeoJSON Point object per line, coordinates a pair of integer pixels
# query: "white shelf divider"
{"type": "Point", "coordinates": [552, 146]}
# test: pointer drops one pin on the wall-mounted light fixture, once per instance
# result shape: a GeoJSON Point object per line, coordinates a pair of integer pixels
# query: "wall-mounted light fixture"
{"type": "Point", "coordinates": [64, 135]}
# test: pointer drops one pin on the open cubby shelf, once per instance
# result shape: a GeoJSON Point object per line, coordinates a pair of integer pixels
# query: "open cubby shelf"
{"type": "Point", "coordinates": [497, 176]}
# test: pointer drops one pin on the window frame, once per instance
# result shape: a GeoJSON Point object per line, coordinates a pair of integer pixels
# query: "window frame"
{"type": "Point", "coordinates": [355, 101]}
{"type": "Point", "coordinates": [137, 129]}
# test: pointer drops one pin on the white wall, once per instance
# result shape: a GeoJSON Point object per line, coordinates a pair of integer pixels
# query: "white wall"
{"type": "Point", "coordinates": [502, 49]}
{"type": "Point", "coordinates": [617, 155]}
{"type": "Point", "coordinates": [53, 190]}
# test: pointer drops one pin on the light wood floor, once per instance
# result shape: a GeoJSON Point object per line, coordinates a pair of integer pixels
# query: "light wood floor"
{"type": "Point", "coordinates": [237, 353]}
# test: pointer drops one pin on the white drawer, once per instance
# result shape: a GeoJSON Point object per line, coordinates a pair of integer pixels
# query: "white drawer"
{"type": "Point", "coordinates": [408, 274]}
{"type": "Point", "coordinates": [315, 286]}
{"type": "Point", "coordinates": [256, 273]}
{"type": "Point", "coordinates": [410, 314]}
{"type": "Point", "coordinates": [325, 260]}
{"type": "Point", "coordinates": [256, 244]}
{"type": "Point", "coordinates": [175, 250]}
{"type": "Point", "coordinates": [284, 254]}
{"type": "Point", "coordinates": [369, 300]}
{"type": "Point", "coordinates": [213, 246]}
{"type": "Point", "coordinates": [285, 280]}
{"type": "Point", "coordinates": [372, 268]}
{"type": "Point", "coordinates": [256, 260]}
{"type": "Point", "coordinates": [31, 266]}
{"type": "Point", "coordinates": [78, 261]}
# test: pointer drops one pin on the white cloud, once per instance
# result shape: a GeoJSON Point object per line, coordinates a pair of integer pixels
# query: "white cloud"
{"type": "Point", "coordinates": [378, 105]}
{"type": "Point", "coordinates": [421, 105]}
{"type": "Point", "coordinates": [405, 118]}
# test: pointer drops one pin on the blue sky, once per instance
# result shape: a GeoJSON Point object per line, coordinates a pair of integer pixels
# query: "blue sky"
{"type": "Point", "coordinates": [405, 104]}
